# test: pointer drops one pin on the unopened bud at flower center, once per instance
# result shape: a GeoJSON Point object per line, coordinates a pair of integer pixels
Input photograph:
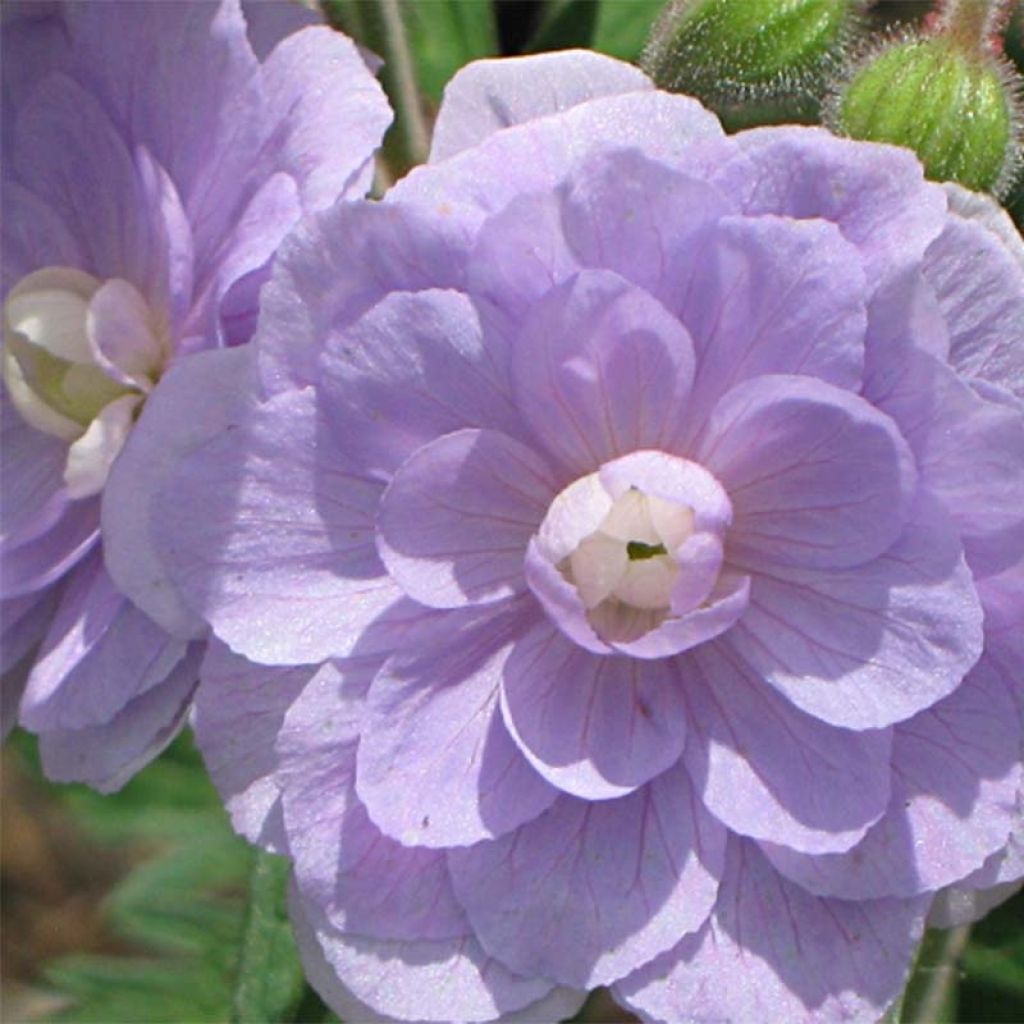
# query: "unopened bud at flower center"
{"type": "Point", "coordinates": [79, 357]}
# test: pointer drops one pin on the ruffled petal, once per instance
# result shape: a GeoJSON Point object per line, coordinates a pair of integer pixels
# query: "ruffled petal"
{"type": "Point", "coordinates": [455, 522]}
{"type": "Point", "coordinates": [773, 952]}
{"type": "Point", "coordinates": [816, 475]}
{"type": "Point", "coordinates": [557, 898]}
{"type": "Point", "coordinates": [769, 771]}
{"type": "Point", "coordinates": [436, 766]}
{"type": "Point", "coordinates": [956, 777]}
{"type": "Point", "coordinates": [873, 644]}
{"type": "Point", "coordinates": [488, 95]}
{"type": "Point", "coordinates": [594, 727]}
{"type": "Point", "coordinates": [600, 370]}
{"type": "Point", "coordinates": [271, 541]}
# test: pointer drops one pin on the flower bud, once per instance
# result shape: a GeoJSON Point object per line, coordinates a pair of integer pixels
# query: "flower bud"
{"type": "Point", "coordinates": [947, 95]}
{"type": "Point", "coordinates": [764, 53]}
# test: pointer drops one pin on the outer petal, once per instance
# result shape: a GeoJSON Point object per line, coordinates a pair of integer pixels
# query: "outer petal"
{"type": "Point", "coordinates": [23, 623]}
{"type": "Point", "coordinates": [588, 892]}
{"type": "Point", "coordinates": [239, 711]}
{"type": "Point", "coordinates": [773, 952]}
{"type": "Point", "coordinates": [416, 365]}
{"type": "Point", "coordinates": [100, 653]}
{"type": "Point", "coordinates": [488, 95]}
{"type": "Point", "coordinates": [361, 881]}
{"type": "Point", "coordinates": [876, 194]}
{"type": "Point", "coordinates": [271, 541]}
{"type": "Point", "coordinates": [594, 727]}
{"type": "Point", "coordinates": [198, 399]}
{"type": "Point", "coordinates": [483, 179]}
{"type": "Point", "coordinates": [107, 756]}
{"type": "Point", "coordinates": [956, 777]}
{"type": "Point", "coordinates": [769, 771]}
{"type": "Point", "coordinates": [436, 766]}
{"type": "Point", "coordinates": [32, 234]}
{"type": "Point", "coordinates": [600, 370]}
{"type": "Point", "coordinates": [772, 295]}
{"type": "Point", "coordinates": [873, 644]}
{"type": "Point", "coordinates": [455, 522]}
{"type": "Point", "coordinates": [411, 981]}
{"type": "Point", "coordinates": [816, 475]}
{"type": "Point", "coordinates": [978, 276]}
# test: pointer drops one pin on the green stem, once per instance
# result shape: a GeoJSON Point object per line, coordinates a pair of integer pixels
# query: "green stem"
{"type": "Point", "coordinates": [933, 999]}
{"type": "Point", "coordinates": [410, 117]}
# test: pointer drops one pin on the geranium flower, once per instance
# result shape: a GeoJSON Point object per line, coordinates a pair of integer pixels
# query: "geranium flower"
{"type": "Point", "coordinates": [155, 155]}
{"type": "Point", "coordinates": [650, 501]}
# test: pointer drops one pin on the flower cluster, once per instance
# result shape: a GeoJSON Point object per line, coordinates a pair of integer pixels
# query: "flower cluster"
{"type": "Point", "coordinates": [155, 155]}
{"type": "Point", "coordinates": [605, 564]}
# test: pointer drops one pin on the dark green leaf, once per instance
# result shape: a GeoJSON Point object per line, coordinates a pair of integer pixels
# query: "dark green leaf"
{"type": "Point", "coordinates": [565, 24]}
{"type": "Point", "coordinates": [623, 26]}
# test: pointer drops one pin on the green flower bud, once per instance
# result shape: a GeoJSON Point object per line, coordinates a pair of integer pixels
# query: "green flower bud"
{"type": "Point", "coordinates": [947, 96]}
{"type": "Point", "coordinates": [770, 53]}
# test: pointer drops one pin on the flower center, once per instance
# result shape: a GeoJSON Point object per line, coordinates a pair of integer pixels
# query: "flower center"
{"type": "Point", "coordinates": [80, 355]}
{"type": "Point", "coordinates": [632, 546]}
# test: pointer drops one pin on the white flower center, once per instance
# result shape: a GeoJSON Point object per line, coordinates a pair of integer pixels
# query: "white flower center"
{"type": "Point", "coordinates": [79, 357]}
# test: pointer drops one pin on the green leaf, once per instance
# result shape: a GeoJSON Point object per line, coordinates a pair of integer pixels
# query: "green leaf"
{"type": "Point", "coordinates": [992, 988]}
{"type": "Point", "coordinates": [624, 25]}
{"type": "Point", "coordinates": [270, 980]}
{"type": "Point", "coordinates": [565, 24]}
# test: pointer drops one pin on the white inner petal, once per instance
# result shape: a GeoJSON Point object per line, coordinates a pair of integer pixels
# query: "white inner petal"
{"type": "Point", "coordinates": [92, 455]}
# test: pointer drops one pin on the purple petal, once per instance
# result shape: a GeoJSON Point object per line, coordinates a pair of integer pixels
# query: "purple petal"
{"type": "Point", "coordinates": [417, 363]}
{"type": "Point", "coordinates": [979, 281]}
{"type": "Point", "coordinates": [200, 398]}
{"type": "Point", "coordinates": [239, 711]}
{"type": "Point", "coordinates": [267, 22]}
{"type": "Point", "coordinates": [816, 476]}
{"type": "Point", "coordinates": [488, 95]}
{"type": "Point", "coordinates": [23, 624]}
{"type": "Point", "coordinates": [483, 179]}
{"type": "Point", "coordinates": [338, 265]}
{"type": "Point", "coordinates": [594, 727]}
{"type": "Point", "coordinates": [33, 234]}
{"type": "Point", "coordinates": [558, 898]}
{"type": "Point", "coordinates": [769, 771]}
{"type": "Point", "coordinates": [271, 541]}
{"type": "Point", "coordinates": [772, 952]}
{"type": "Point", "coordinates": [363, 882]}
{"type": "Point", "coordinates": [410, 981]}
{"type": "Point", "coordinates": [876, 194]}
{"type": "Point", "coordinates": [436, 766]}
{"type": "Point", "coordinates": [100, 653]}
{"type": "Point", "coordinates": [107, 756]}
{"type": "Point", "coordinates": [601, 370]}
{"type": "Point", "coordinates": [771, 295]}
{"type": "Point", "coordinates": [956, 776]}
{"type": "Point", "coordinates": [873, 644]}
{"type": "Point", "coordinates": [455, 522]}
{"type": "Point", "coordinates": [625, 212]}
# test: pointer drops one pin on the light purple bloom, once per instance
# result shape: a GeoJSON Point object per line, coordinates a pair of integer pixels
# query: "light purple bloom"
{"type": "Point", "coordinates": [631, 529]}
{"type": "Point", "coordinates": [155, 155]}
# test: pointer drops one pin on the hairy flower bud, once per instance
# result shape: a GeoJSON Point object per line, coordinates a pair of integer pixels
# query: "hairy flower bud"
{"type": "Point", "coordinates": [739, 54]}
{"type": "Point", "coordinates": [947, 95]}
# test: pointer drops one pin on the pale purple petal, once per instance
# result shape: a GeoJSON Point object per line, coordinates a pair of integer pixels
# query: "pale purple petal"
{"type": "Point", "coordinates": [873, 644]}
{"type": "Point", "coordinates": [600, 370]}
{"type": "Point", "coordinates": [816, 475]}
{"type": "Point", "coordinates": [595, 727]}
{"type": "Point", "coordinates": [772, 295]}
{"type": "Point", "coordinates": [411, 981]}
{"type": "Point", "coordinates": [107, 756]}
{"type": "Point", "coordinates": [436, 766]}
{"type": "Point", "coordinates": [956, 777]}
{"type": "Point", "coordinates": [239, 710]}
{"type": "Point", "coordinates": [454, 524]}
{"type": "Point", "coordinates": [772, 952]}
{"type": "Point", "coordinates": [416, 362]}
{"type": "Point", "coordinates": [769, 771]}
{"type": "Point", "coordinates": [23, 624]}
{"type": "Point", "coordinates": [876, 194]}
{"type": "Point", "coordinates": [488, 95]}
{"type": "Point", "coordinates": [33, 234]}
{"type": "Point", "coordinates": [99, 654]}
{"type": "Point", "coordinates": [271, 541]}
{"type": "Point", "coordinates": [197, 400]}
{"type": "Point", "coordinates": [590, 891]}
{"type": "Point", "coordinates": [267, 22]}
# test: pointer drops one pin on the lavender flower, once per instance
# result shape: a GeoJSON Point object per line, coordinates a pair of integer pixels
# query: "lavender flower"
{"type": "Point", "coordinates": [630, 529]}
{"type": "Point", "coordinates": [155, 155]}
